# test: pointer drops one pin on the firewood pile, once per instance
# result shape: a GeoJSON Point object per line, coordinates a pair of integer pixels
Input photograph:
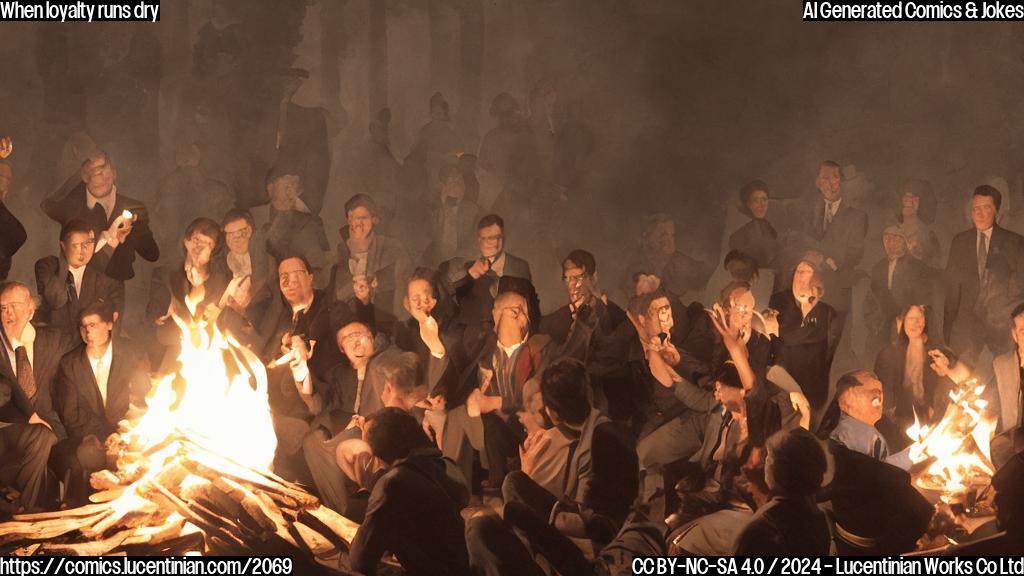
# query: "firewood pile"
{"type": "Point", "coordinates": [181, 498]}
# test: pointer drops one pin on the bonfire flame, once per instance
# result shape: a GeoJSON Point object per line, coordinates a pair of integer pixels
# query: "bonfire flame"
{"type": "Point", "coordinates": [193, 474]}
{"type": "Point", "coordinates": [958, 444]}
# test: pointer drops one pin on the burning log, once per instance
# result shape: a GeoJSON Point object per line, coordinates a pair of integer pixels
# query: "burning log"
{"type": "Point", "coordinates": [192, 475]}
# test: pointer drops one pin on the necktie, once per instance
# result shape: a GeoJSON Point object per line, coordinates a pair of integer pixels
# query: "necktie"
{"type": "Point", "coordinates": [879, 451]}
{"type": "Point", "coordinates": [982, 255]}
{"type": "Point", "coordinates": [72, 290]}
{"type": "Point", "coordinates": [101, 380]}
{"type": "Point", "coordinates": [26, 379]}
{"type": "Point", "coordinates": [829, 208]}
{"type": "Point", "coordinates": [99, 217]}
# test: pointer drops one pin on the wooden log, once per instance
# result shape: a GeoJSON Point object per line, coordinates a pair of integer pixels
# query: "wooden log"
{"type": "Point", "coordinates": [340, 525]}
{"type": "Point", "coordinates": [215, 464]}
{"type": "Point", "coordinates": [171, 528]}
{"type": "Point", "coordinates": [105, 496]}
{"type": "Point", "coordinates": [87, 510]}
{"type": "Point", "coordinates": [46, 529]}
{"type": "Point", "coordinates": [332, 534]}
{"type": "Point", "coordinates": [104, 480]}
{"type": "Point", "coordinates": [89, 548]}
{"type": "Point", "coordinates": [316, 543]}
{"type": "Point", "coordinates": [247, 500]}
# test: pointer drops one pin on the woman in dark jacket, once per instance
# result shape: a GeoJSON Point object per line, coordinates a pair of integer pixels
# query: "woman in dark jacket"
{"type": "Point", "coordinates": [757, 238]}
{"type": "Point", "coordinates": [809, 331]}
{"type": "Point", "coordinates": [910, 385]}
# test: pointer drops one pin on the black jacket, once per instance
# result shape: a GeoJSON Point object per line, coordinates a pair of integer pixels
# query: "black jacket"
{"type": "Point", "coordinates": [12, 237]}
{"type": "Point", "coordinates": [118, 264]}
{"type": "Point", "coordinates": [49, 347]}
{"type": "Point", "coordinates": [78, 397]}
{"type": "Point", "coordinates": [785, 527]}
{"type": "Point", "coordinates": [414, 513]}
{"type": "Point", "coordinates": [57, 309]}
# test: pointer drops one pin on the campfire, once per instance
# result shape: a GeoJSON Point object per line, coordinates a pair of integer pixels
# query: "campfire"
{"type": "Point", "coordinates": [957, 446]}
{"type": "Point", "coordinates": [956, 466]}
{"type": "Point", "coordinates": [193, 475]}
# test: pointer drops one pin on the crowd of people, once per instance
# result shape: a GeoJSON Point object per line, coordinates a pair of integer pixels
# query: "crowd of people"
{"type": "Point", "coordinates": [420, 378]}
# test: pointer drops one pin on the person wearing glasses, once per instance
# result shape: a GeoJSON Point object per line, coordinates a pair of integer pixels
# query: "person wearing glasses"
{"type": "Point", "coordinates": [72, 281]}
{"type": "Point", "coordinates": [587, 327]}
{"type": "Point", "coordinates": [476, 282]}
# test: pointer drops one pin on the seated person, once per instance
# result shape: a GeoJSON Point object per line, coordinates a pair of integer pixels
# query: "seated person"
{"type": "Point", "coordinates": [29, 424]}
{"type": "Point", "coordinates": [499, 383]}
{"type": "Point", "coordinates": [600, 474]}
{"type": "Point", "coordinates": [288, 225]}
{"type": "Point", "coordinates": [414, 508]}
{"type": "Point", "coordinates": [665, 404]}
{"type": "Point", "coordinates": [430, 333]}
{"type": "Point", "coordinates": [476, 282]}
{"type": "Point", "coordinates": [790, 524]}
{"type": "Point", "coordinates": [246, 254]}
{"type": "Point", "coordinates": [192, 292]}
{"type": "Point", "coordinates": [586, 327]}
{"type": "Point", "coordinates": [97, 386]}
{"type": "Point", "coordinates": [876, 508]}
{"type": "Point", "coordinates": [453, 218]}
{"type": "Point", "coordinates": [371, 267]}
{"type": "Point", "coordinates": [72, 282]}
{"type": "Point", "coordinates": [369, 379]}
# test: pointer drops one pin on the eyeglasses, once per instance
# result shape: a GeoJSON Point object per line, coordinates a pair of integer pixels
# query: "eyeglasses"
{"type": "Point", "coordinates": [663, 313]}
{"type": "Point", "coordinates": [238, 234]}
{"type": "Point", "coordinates": [86, 245]}
{"type": "Point", "coordinates": [494, 238]}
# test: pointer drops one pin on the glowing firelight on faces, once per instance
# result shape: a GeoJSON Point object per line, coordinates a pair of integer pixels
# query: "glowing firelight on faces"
{"type": "Point", "coordinates": [959, 443]}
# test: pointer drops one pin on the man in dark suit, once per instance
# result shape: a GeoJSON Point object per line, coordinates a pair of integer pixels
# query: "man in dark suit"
{"type": "Point", "coordinates": [476, 282]}
{"type": "Point", "coordinates": [301, 315]}
{"type": "Point", "coordinates": [72, 282]}
{"type": "Point", "coordinates": [984, 280]}
{"type": "Point", "coordinates": [29, 358]}
{"type": "Point", "coordinates": [12, 233]}
{"type": "Point", "coordinates": [97, 384]}
{"type": "Point", "coordinates": [897, 280]}
{"type": "Point", "coordinates": [96, 200]}
{"type": "Point", "coordinates": [838, 231]}
{"type": "Point", "coordinates": [587, 327]}
{"type": "Point", "coordinates": [246, 255]}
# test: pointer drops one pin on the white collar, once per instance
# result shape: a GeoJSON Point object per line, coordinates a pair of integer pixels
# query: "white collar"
{"type": "Point", "coordinates": [986, 233]}
{"type": "Point", "coordinates": [108, 202]}
{"type": "Point", "coordinates": [498, 265]}
{"type": "Point", "coordinates": [28, 337]}
{"type": "Point", "coordinates": [107, 355]}
{"type": "Point", "coordinates": [510, 350]}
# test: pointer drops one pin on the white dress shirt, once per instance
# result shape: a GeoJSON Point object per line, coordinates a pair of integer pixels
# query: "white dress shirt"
{"type": "Point", "coordinates": [101, 370]}
{"type": "Point", "coordinates": [77, 274]}
{"type": "Point", "coordinates": [28, 339]}
{"type": "Point", "coordinates": [107, 202]}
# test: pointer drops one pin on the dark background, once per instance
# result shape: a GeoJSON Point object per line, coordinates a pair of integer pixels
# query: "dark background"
{"type": "Point", "coordinates": [685, 101]}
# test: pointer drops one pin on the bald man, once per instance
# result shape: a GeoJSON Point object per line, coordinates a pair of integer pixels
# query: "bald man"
{"type": "Point", "coordinates": [502, 385]}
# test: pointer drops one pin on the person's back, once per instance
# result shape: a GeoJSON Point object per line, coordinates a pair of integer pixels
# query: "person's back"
{"type": "Point", "coordinates": [785, 527]}
{"type": "Point", "coordinates": [413, 511]}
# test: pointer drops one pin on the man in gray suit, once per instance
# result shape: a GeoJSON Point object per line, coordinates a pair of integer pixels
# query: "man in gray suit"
{"type": "Point", "coordinates": [1008, 370]}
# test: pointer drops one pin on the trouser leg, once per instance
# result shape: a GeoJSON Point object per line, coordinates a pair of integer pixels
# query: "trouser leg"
{"type": "Point", "coordinates": [494, 550]}
{"type": "Point", "coordinates": [319, 453]}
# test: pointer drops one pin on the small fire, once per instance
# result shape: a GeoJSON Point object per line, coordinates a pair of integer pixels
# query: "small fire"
{"type": "Point", "coordinates": [958, 444]}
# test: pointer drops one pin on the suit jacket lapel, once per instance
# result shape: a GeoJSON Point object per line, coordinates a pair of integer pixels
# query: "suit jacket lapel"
{"type": "Point", "coordinates": [117, 384]}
